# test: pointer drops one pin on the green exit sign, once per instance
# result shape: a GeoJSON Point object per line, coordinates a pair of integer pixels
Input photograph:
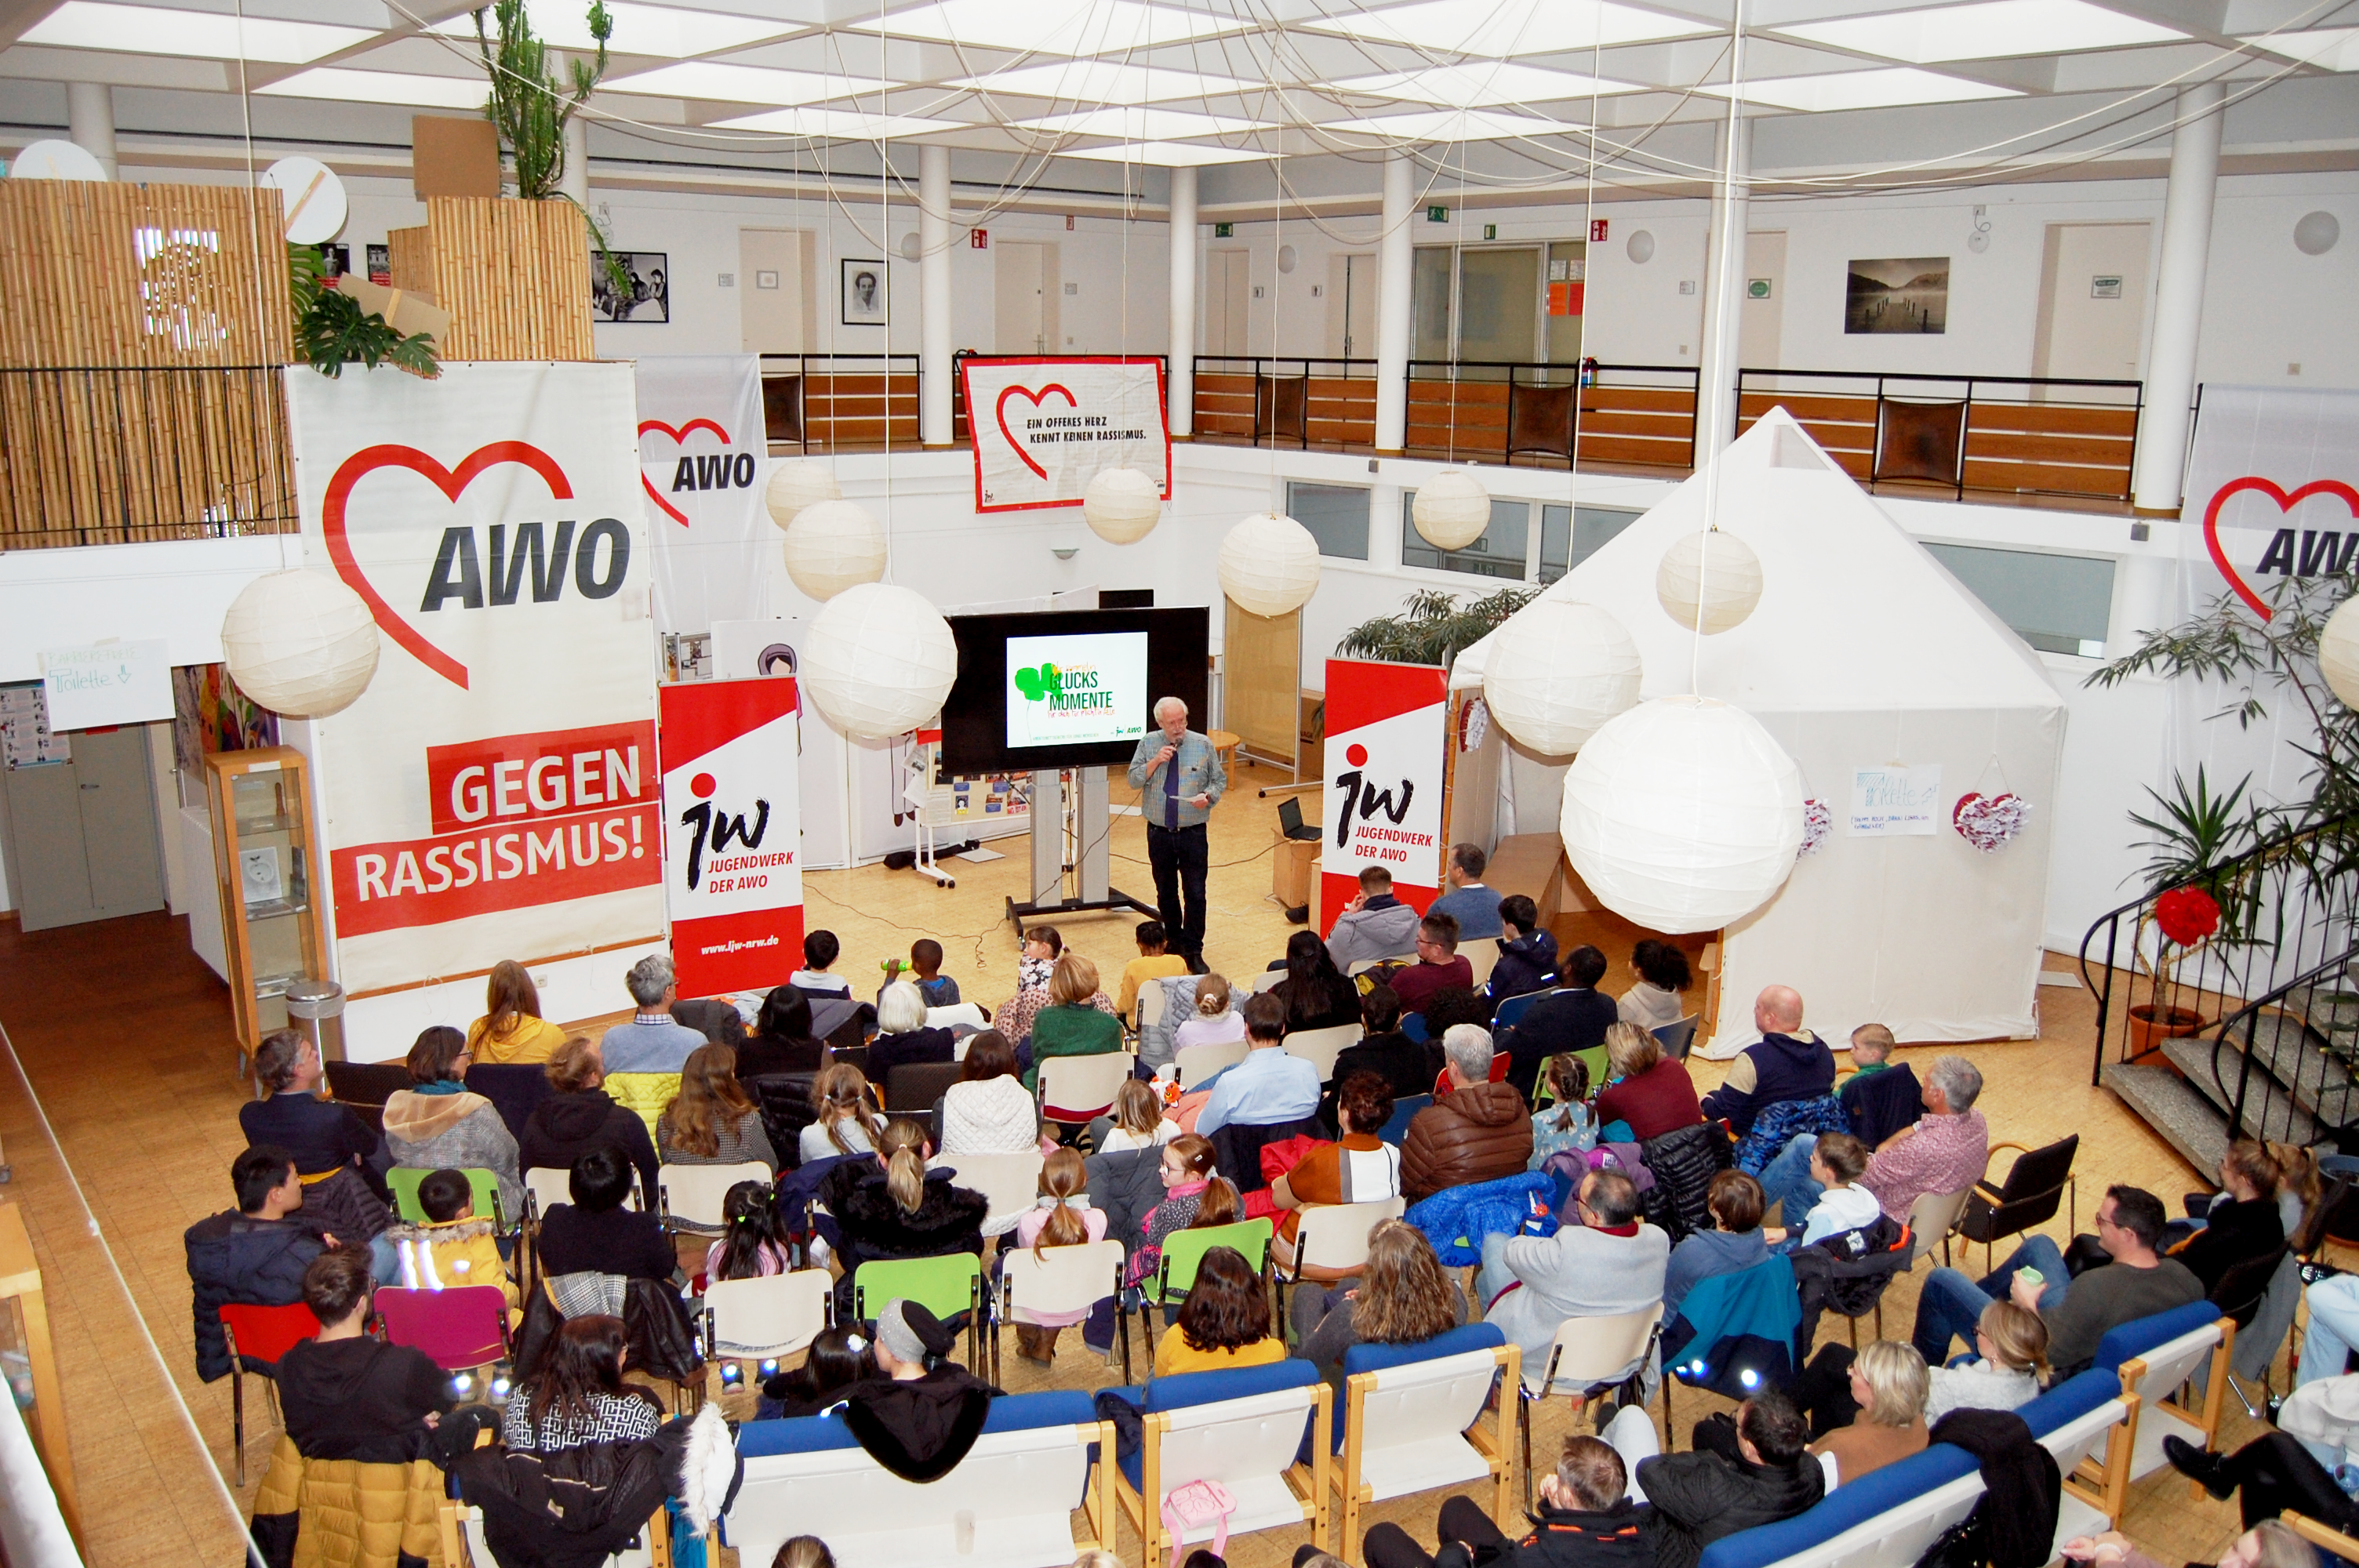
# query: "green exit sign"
{"type": "Point", "coordinates": [1224, 231]}
{"type": "Point", "coordinates": [1490, 231]}
{"type": "Point", "coordinates": [1437, 214]}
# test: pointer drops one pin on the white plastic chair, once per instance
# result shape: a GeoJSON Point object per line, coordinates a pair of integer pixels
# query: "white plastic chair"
{"type": "Point", "coordinates": [1587, 1352]}
{"type": "Point", "coordinates": [1933, 1217]}
{"type": "Point", "coordinates": [1417, 1427]}
{"type": "Point", "coordinates": [690, 1196]}
{"type": "Point", "coordinates": [1483, 955]}
{"type": "Point", "coordinates": [1008, 1182]}
{"type": "Point", "coordinates": [1267, 981]}
{"type": "Point", "coordinates": [1056, 1281]}
{"type": "Point", "coordinates": [2159, 1375]}
{"type": "Point", "coordinates": [1198, 1063]}
{"type": "Point", "coordinates": [1320, 1047]}
{"type": "Point", "coordinates": [1335, 1235]}
{"type": "Point", "coordinates": [957, 1012]}
{"type": "Point", "coordinates": [1083, 1086]}
{"type": "Point", "coordinates": [1248, 1446]}
{"type": "Point", "coordinates": [546, 1186]}
{"type": "Point", "coordinates": [1151, 997]}
{"type": "Point", "coordinates": [750, 1320]}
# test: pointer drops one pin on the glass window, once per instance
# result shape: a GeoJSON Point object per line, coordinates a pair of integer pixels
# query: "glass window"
{"type": "Point", "coordinates": [1570, 536]}
{"type": "Point", "coordinates": [2058, 604]}
{"type": "Point", "coordinates": [1336, 514]}
{"type": "Point", "coordinates": [1498, 553]}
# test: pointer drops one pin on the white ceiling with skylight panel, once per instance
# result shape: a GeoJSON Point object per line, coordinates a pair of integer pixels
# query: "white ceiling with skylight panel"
{"type": "Point", "coordinates": [1986, 29]}
{"type": "Point", "coordinates": [210, 34]}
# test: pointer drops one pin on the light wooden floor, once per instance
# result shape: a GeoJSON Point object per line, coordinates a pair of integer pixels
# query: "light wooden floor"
{"type": "Point", "coordinates": [125, 1037]}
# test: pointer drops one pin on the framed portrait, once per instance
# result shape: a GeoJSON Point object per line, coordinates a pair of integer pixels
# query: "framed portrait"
{"type": "Point", "coordinates": [646, 294]}
{"type": "Point", "coordinates": [864, 293]}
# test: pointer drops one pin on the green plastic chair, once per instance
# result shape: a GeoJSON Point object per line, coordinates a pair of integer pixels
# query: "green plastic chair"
{"type": "Point", "coordinates": [1594, 1058]}
{"type": "Point", "coordinates": [944, 1285]}
{"type": "Point", "coordinates": [404, 1182]}
{"type": "Point", "coordinates": [1183, 1251]}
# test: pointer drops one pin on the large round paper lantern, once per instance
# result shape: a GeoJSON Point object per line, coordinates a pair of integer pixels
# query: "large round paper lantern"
{"type": "Point", "coordinates": [833, 544]}
{"type": "Point", "coordinates": [1269, 565]}
{"type": "Point", "coordinates": [300, 642]}
{"type": "Point", "coordinates": [1556, 671]}
{"type": "Point", "coordinates": [1452, 510]}
{"type": "Point", "coordinates": [879, 661]}
{"type": "Point", "coordinates": [2338, 652]}
{"type": "Point", "coordinates": [1683, 815]}
{"type": "Point", "coordinates": [1120, 505]}
{"type": "Point", "coordinates": [796, 485]}
{"type": "Point", "coordinates": [1717, 568]}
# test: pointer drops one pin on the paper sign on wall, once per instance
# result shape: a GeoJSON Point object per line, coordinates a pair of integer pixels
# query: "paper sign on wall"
{"type": "Point", "coordinates": [108, 683]}
{"type": "Point", "coordinates": [1044, 428]}
{"type": "Point", "coordinates": [1896, 802]}
{"type": "Point", "coordinates": [732, 833]}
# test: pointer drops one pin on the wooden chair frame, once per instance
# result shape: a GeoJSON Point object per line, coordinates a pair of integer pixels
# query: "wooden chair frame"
{"type": "Point", "coordinates": [2321, 1535]}
{"type": "Point", "coordinates": [1308, 1484]}
{"type": "Point", "coordinates": [2206, 1421]}
{"type": "Point", "coordinates": [1497, 1453]}
{"type": "Point", "coordinates": [2104, 1484]}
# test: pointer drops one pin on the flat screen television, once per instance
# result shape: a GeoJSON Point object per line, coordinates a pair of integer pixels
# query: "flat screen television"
{"type": "Point", "coordinates": [1068, 688]}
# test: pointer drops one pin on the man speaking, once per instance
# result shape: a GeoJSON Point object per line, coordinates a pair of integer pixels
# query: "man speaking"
{"type": "Point", "coordinates": [1179, 779]}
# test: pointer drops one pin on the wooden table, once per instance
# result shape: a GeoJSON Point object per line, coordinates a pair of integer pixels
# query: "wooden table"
{"type": "Point", "coordinates": [1224, 746]}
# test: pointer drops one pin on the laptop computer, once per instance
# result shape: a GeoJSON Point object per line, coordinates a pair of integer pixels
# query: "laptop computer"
{"type": "Point", "coordinates": [1290, 823]}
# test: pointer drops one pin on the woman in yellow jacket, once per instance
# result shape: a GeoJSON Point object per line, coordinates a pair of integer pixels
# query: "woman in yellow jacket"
{"type": "Point", "coordinates": [512, 1030]}
{"type": "Point", "coordinates": [453, 1247]}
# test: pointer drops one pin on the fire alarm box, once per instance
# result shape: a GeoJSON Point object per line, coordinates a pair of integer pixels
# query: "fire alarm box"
{"type": "Point", "coordinates": [1597, 231]}
{"type": "Point", "coordinates": [980, 239]}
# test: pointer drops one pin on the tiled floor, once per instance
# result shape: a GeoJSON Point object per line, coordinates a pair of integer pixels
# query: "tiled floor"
{"type": "Point", "coordinates": [125, 1037]}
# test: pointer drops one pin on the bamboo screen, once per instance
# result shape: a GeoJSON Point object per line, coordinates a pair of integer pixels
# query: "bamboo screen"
{"type": "Point", "coordinates": [513, 274]}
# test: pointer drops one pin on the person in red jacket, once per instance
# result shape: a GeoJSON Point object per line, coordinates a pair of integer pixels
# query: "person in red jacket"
{"type": "Point", "coordinates": [1650, 1092]}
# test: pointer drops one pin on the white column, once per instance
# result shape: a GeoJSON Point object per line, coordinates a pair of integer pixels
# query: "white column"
{"type": "Point", "coordinates": [934, 423]}
{"type": "Point", "coordinates": [2179, 299]}
{"type": "Point", "coordinates": [90, 120]}
{"type": "Point", "coordinates": [1724, 292]}
{"type": "Point", "coordinates": [575, 181]}
{"type": "Point", "coordinates": [1394, 258]}
{"type": "Point", "coordinates": [1180, 376]}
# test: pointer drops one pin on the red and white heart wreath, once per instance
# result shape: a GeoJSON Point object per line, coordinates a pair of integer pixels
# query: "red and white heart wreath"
{"type": "Point", "coordinates": [1990, 822]}
{"type": "Point", "coordinates": [1818, 821]}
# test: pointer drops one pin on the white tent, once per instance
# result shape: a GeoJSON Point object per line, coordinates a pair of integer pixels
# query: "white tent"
{"type": "Point", "coordinates": [1864, 653]}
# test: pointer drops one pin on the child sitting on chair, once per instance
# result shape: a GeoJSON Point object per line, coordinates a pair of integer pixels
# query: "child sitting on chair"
{"type": "Point", "coordinates": [453, 1247]}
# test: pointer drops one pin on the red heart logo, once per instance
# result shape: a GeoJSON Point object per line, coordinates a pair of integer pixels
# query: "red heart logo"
{"type": "Point", "coordinates": [2285, 503]}
{"type": "Point", "coordinates": [1000, 409]}
{"type": "Point", "coordinates": [451, 482]}
{"type": "Point", "coordinates": [680, 436]}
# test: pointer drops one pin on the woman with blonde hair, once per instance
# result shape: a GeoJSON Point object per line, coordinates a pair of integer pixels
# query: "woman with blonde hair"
{"type": "Point", "coordinates": [1216, 1022]}
{"type": "Point", "coordinates": [2014, 1361]}
{"type": "Point", "coordinates": [712, 1120]}
{"type": "Point", "coordinates": [893, 1207]}
{"type": "Point", "coordinates": [1073, 1024]}
{"type": "Point", "coordinates": [1136, 1121]}
{"type": "Point", "coordinates": [1401, 1297]}
{"type": "Point", "coordinates": [1647, 1091]}
{"type": "Point", "coordinates": [1061, 1216]}
{"type": "Point", "coordinates": [845, 1116]}
{"type": "Point", "coordinates": [512, 1032]}
{"type": "Point", "coordinates": [1885, 1389]}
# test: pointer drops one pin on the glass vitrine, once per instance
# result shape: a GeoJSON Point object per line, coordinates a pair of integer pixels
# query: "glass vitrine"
{"type": "Point", "coordinates": [267, 864]}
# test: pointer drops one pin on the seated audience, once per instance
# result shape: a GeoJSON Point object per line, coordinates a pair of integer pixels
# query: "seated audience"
{"type": "Point", "coordinates": [1586, 1519]}
{"type": "Point", "coordinates": [919, 1414]}
{"type": "Point", "coordinates": [580, 1116]}
{"type": "Point", "coordinates": [1156, 961]}
{"type": "Point", "coordinates": [1269, 1087]}
{"type": "Point", "coordinates": [254, 1254]}
{"type": "Point", "coordinates": [1566, 1126]}
{"type": "Point", "coordinates": [1362, 1168]}
{"type": "Point", "coordinates": [652, 1042]}
{"type": "Point", "coordinates": [1136, 1121]}
{"type": "Point", "coordinates": [2139, 1283]}
{"type": "Point", "coordinates": [453, 1248]}
{"type": "Point", "coordinates": [1316, 992]}
{"type": "Point", "coordinates": [439, 1123]}
{"type": "Point", "coordinates": [1647, 1091]}
{"type": "Point", "coordinates": [1217, 1021]}
{"type": "Point", "coordinates": [2274, 1473]}
{"type": "Point", "coordinates": [1373, 924]}
{"type": "Point", "coordinates": [512, 1031]}
{"type": "Point", "coordinates": [839, 1357]}
{"type": "Point", "coordinates": [1403, 1063]}
{"type": "Point", "coordinates": [1078, 1020]}
{"type": "Point", "coordinates": [1224, 1321]}
{"type": "Point", "coordinates": [1475, 907]}
{"type": "Point", "coordinates": [893, 1207]}
{"type": "Point", "coordinates": [1610, 1263]}
{"type": "Point", "coordinates": [782, 1039]}
{"type": "Point", "coordinates": [755, 1241]}
{"type": "Point", "coordinates": [1401, 1296]}
{"type": "Point", "coordinates": [712, 1120]}
{"type": "Point", "coordinates": [2268, 1543]}
{"type": "Point", "coordinates": [1193, 1198]}
{"type": "Point", "coordinates": [1061, 1216]}
{"type": "Point", "coordinates": [347, 1394]}
{"type": "Point", "coordinates": [1866, 1409]}
{"type": "Point", "coordinates": [817, 977]}
{"type": "Point", "coordinates": [1882, 1096]}
{"type": "Point", "coordinates": [987, 1112]}
{"type": "Point", "coordinates": [1478, 1131]}
{"type": "Point", "coordinates": [1734, 1244]}
{"type": "Point", "coordinates": [1527, 953]}
{"type": "Point", "coordinates": [924, 968]}
{"type": "Point", "coordinates": [1438, 965]}
{"type": "Point", "coordinates": [845, 1116]}
{"type": "Point", "coordinates": [902, 1036]}
{"type": "Point", "coordinates": [2244, 1223]}
{"type": "Point", "coordinates": [2013, 1346]}
{"type": "Point", "coordinates": [577, 1395]}
{"type": "Point", "coordinates": [1943, 1152]}
{"type": "Point", "coordinates": [1655, 1000]}
{"type": "Point", "coordinates": [1574, 1018]}
{"type": "Point", "coordinates": [328, 1142]}
{"type": "Point", "coordinates": [1703, 1495]}
{"type": "Point", "coordinates": [595, 1233]}
{"type": "Point", "coordinates": [1836, 1160]}
{"type": "Point", "coordinates": [1788, 1062]}
{"type": "Point", "coordinates": [1036, 960]}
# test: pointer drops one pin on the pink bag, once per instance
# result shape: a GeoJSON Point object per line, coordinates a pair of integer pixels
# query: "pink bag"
{"type": "Point", "coordinates": [1198, 1503]}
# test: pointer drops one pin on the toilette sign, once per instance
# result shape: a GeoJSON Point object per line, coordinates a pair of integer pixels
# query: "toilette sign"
{"type": "Point", "coordinates": [493, 793]}
{"type": "Point", "coordinates": [1045, 427]}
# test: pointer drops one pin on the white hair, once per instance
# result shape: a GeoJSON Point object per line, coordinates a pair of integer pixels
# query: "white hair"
{"type": "Point", "coordinates": [648, 980]}
{"type": "Point", "coordinates": [1163, 702]}
{"type": "Point", "coordinates": [1468, 1046]}
{"type": "Point", "coordinates": [901, 1008]}
{"type": "Point", "coordinates": [1960, 1081]}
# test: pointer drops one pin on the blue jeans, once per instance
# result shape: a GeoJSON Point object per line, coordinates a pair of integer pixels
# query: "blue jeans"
{"type": "Point", "coordinates": [1788, 1177]}
{"type": "Point", "coordinates": [385, 1262]}
{"type": "Point", "coordinates": [2333, 1328]}
{"type": "Point", "coordinates": [1952, 1303]}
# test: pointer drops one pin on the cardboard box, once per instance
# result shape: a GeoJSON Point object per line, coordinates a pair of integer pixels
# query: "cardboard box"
{"type": "Point", "coordinates": [407, 311]}
{"type": "Point", "coordinates": [453, 158]}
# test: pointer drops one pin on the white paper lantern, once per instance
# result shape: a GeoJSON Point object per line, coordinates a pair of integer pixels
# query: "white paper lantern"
{"type": "Point", "coordinates": [1269, 565]}
{"type": "Point", "coordinates": [879, 661]}
{"type": "Point", "coordinates": [1556, 671]}
{"type": "Point", "coordinates": [1452, 510]}
{"type": "Point", "coordinates": [1717, 568]}
{"type": "Point", "coordinates": [300, 642]}
{"type": "Point", "coordinates": [1683, 815]}
{"type": "Point", "coordinates": [1120, 505]}
{"type": "Point", "coordinates": [796, 485]}
{"type": "Point", "coordinates": [833, 544]}
{"type": "Point", "coordinates": [2338, 652]}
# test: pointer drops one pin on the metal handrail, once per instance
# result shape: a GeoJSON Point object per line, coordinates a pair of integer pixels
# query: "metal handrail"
{"type": "Point", "coordinates": [2249, 1016]}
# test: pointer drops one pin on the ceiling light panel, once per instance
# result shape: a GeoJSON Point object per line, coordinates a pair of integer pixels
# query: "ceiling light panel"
{"type": "Point", "coordinates": [666, 32]}
{"type": "Point", "coordinates": [1992, 29]}
{"type": "Point", "coordinates": [207, 35]}
{"type": "Point", "coordinates": [2332, 49]}
{"type": "Point", "coordinates": [381, 87]}
{"type": "Point", "coordinates": [1058, 26]}
{"type": "Point", "coordinates": [1104, 81]}
{"type": "Point", "coordinates": [1484, 84]}
{"type": "Point", "coordinates": [1170, 155]}
{"type": "Point", "coordinates": [1502, 29]}
{"type": "Point", "coordinates": [1886, 88]}
{"type": "Point", "coordinates": [1139, 123]}
{"type": "Point", "coordinates": [839, 124]}
{"type": "Point", "coordinates": [1449, 125]}
{"type": "Point", "coordinates": [743, 83]}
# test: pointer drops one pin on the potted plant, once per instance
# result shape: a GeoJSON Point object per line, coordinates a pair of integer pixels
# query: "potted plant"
{"type": "Point", "coordinates": [2186, 918]}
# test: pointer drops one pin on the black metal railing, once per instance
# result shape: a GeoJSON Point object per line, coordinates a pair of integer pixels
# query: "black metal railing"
{"type": "Point", "coordinates": [2290, 1054]}
{"type": "Point", "coordinates": [837, 400]}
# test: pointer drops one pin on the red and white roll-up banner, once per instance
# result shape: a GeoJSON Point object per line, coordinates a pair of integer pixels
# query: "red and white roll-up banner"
{"type": "Point", "coordinates": [493, 794]}
{"type": "Point", "coordinates": [732, 833]}
{"type": "Point", "coordinates": [704, 458]}
{"type": "Point", "coordinates": [1387, 739]}
{"type": "Point", "coordinates": [1045, 427]}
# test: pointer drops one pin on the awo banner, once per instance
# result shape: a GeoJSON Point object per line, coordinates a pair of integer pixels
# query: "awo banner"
{"type": "Point", "coordinates": [2273, 486]}
{"type": "Point", "coordinates": [703, 462]}
{"type": "Point", "coordinates": [732, 833]}
{"type": "Point", "coordinates": [1043, 427]}
{"type": "Point", "coordinates": [493, 793]}
{"type": "Point", "coordinates": [1386, 743]}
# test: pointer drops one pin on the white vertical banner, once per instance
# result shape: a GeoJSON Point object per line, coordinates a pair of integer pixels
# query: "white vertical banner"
{"type": "Point", "coordinates": [1044, 428]}
{"type": "Point", "coordinates": [2273, 486]}
{"type": "Point", "coordinates": [704, 458]}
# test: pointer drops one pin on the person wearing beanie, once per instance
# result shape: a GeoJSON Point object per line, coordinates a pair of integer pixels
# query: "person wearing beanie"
{"type": "Point", "coordinates": [919, 1414]}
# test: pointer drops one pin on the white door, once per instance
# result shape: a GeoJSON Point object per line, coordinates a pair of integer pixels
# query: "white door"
{"type": "Point", "coordinates": [1762, 314]}
{"type": "Point", "coordinates": [83, 842]}
{"type": "Point", "coordinates": [1352, 307]}
{"type": "Point", "coordinates": [774, 295]}
{"type": "Point", "coordinates": [1019, 281]}
{"type": "Point", "coordinates": [2092, 301]}
{"type": "Point", "coordinates": [1228, 293]}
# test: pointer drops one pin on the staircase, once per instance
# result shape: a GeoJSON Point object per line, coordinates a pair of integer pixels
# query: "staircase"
{"type": "Point", "coordinates": [2299, 1088]}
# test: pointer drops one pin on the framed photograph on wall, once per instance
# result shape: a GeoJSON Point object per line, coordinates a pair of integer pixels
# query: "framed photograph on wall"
{"type": "Point", "coordinates": [1897, 294]}
{"type": "Point", "coordinates": [864, 293]}
{"type": "Point", "coordinates": [646, 294]}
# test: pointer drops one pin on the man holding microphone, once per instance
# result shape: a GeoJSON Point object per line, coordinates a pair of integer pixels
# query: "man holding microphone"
{"type": "Point", "coordinates": [1179, 778]}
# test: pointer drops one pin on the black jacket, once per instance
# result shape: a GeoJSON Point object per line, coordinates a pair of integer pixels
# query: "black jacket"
{"type": "Point", "coordinates": [1881, 1103]}
{"type": "Point", "coordinates": [771, 1054]}
{"type": "Point", "coordinates": [921, 1429]}
{"type": "Point", "coordinates": [320, 1133]}
{"type": "Point", "coordinates": [2022, 1488]}
{"type": "Point", "coordinates": [1623, 1536]}
{"type": "Point", "coordinates": [888, 1052]}
{"type": "Point", "coordinates": [2235, 1233]}
{"type": "Point", "coordinates": [577, 1506]}
{"type": "Point", "coordinates": [1559, 1021]}
{"type": "Point", "coordinates": [237, 1258]}
{"type": "Point", "coordinates": [1849, 1272]}
{"type": "Point", "coordinates": [873, 1227]}
{"type": "Point", "coordinates": [563, 1128]}
{"type": "Point", "coordinates": [1700, 1496]}
{"type": "Point", "coordinates": [1126, 1185]}
{"type": "Point", "coordinates": [1525, 965]}
{"type": "Point", "coordinates": [360, 1399]}
{"type": "Point", "coordinates": [623, 1241]}
{"type": "Point", "coordinates": [1401, 1062]}
{"type": "Point", "coordinates": [1683, 1162]}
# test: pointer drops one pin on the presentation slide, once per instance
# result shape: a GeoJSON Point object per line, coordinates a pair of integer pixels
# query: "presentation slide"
{"type": "Point", "coordinates": [1076, 688]}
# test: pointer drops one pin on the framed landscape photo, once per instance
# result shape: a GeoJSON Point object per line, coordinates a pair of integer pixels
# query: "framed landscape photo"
{"type": "Point", "coordinates": [1898, 293]}
{"type": "Point", "coordinates": [864, 293]}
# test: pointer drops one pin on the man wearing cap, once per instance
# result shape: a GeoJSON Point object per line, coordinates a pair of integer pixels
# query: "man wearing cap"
{"type": "Point", "coordinates": [917, 1423]}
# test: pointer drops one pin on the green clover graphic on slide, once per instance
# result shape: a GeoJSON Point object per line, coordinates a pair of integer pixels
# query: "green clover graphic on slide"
{"type": "Point", "coordinates": [1035, 685]}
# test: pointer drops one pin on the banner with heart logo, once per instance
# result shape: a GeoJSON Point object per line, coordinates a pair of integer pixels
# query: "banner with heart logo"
{"type": "Point", "coordinates": [1044, 428]}
{"type": "Point", "coordinates": [703, 463]}
{"type": "Point", "coordinates": [733, 871]}
{"type": "Point", "coordinates": [2273, 483]}
{"type": "Point", "coordinates": [495, 793]}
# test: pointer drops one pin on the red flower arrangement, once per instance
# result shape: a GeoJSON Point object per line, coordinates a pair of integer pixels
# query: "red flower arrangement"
{"type": "Point", "coordinates": [2187, 916]}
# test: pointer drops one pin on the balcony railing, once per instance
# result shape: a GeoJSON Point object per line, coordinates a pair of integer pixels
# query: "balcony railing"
{"type": "Point", "coordinates": [828, 401]}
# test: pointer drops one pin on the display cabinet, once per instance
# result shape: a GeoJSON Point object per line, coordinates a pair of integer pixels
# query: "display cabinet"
{"type": "Point", "coordinates": [27, 1362]}
{"type": "Point", "coordinates": [266, 861]}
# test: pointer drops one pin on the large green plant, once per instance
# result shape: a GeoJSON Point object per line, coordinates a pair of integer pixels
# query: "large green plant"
{"type": "Point", "coordinates": [530, 110]}
{"type": "Point", "coordinates": [332, 331]}
{"type": "Point", "coordinates": [1431, 626]}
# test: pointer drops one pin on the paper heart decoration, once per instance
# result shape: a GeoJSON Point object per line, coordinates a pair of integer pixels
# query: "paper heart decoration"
{"type": "Point", "coordinates": [1989, 822]}
{"type": "Point", "coordinates": [2286, 502]}
{"type": "Point", "coordinates": [678, 436]}
{"type": "Point", "coordinates": [1818, 821]}
{"type": "Point", "coordinates": [1034, 399]}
